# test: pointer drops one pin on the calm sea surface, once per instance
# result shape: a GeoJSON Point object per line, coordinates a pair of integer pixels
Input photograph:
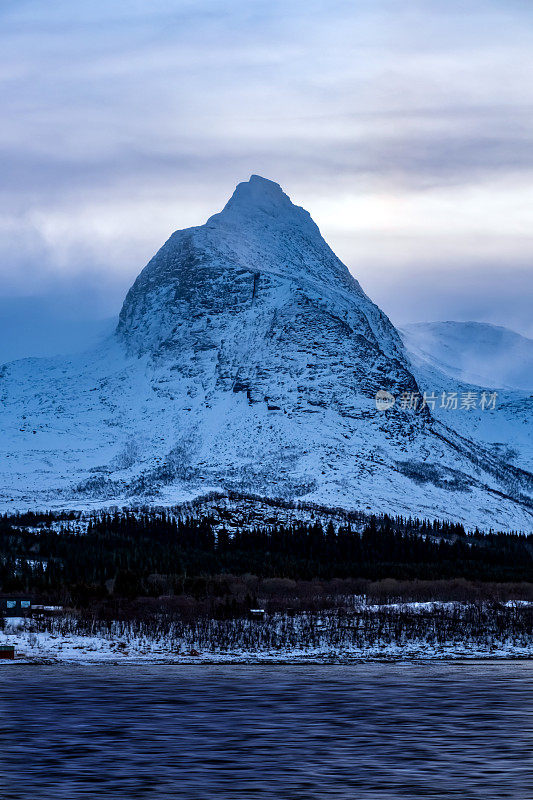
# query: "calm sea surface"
{"type": "Point", "coordinates": [371, 731]}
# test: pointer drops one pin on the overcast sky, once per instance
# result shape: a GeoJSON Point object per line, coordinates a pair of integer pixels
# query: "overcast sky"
{"type": "Point", "coordinates": [404, 127]}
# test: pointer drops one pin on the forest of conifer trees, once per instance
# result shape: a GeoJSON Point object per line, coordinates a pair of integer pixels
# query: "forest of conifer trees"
{"type": "Point", "coordinates": [152, 554]}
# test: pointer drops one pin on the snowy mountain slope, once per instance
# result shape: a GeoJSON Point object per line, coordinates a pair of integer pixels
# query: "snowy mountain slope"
{"type": "Point", "coordinates": [246, 357]}
{"type": "Point", "coordinates": [505, 429]}
{"type": "Point", "coordinates": [474, 352]}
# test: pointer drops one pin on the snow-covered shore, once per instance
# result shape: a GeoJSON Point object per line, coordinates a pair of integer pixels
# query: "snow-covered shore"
{"type": "Point", "coordinates": [399, 632]}
{"type": "Point", "coordinates": [94, 650]}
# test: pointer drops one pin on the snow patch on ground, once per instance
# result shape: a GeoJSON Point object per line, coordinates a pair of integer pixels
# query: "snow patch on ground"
{"type": "Point", "coordinates": [304, 640]}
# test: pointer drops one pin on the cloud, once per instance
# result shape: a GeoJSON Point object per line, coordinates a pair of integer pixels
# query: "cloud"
{"type": "Point", "coordinates": [405, 128]}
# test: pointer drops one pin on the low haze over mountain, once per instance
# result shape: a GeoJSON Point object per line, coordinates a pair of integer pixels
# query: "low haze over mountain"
{"type": "Point", "coordinates": [474, 352]}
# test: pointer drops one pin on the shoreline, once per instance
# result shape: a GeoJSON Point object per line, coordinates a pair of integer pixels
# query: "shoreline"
{"type": "Point", "coordinates": [397, 633]}
{"type": "Point", "coordinates": [225, 659]}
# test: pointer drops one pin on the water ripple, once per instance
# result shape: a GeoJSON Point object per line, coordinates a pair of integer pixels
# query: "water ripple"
{"type": "Point", "coordinates": [363, 732]}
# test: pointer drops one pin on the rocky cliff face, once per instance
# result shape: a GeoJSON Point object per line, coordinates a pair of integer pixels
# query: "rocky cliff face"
{"type": "Point", "coordinates": [256, 302]}
{"type": "Point", "coordinates": [247, 356]}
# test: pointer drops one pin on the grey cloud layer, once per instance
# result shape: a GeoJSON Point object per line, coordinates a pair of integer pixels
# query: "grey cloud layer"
{"type": "Point", "coordinates": [106, 104]}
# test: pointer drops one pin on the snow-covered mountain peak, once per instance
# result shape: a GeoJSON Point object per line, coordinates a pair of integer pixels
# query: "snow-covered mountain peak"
{"type": "Point", "coordinates": [260, 193]}
{"type": "Point", "coordinates": [247, 357]}
{"type": "Point", "coordinates": [259, 199]}
{"type": "Point", "coordinates": [261, 250]}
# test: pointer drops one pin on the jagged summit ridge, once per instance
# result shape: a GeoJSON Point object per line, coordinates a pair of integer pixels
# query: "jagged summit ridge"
{"type": "Point", "coordinates": [260, 193]}
{"type": "Point", "coordinates": [260, 196]}
{"type": "Point", "coordinates": [259, 229]}
{"type": "Point", "coordinates": [260, 247]}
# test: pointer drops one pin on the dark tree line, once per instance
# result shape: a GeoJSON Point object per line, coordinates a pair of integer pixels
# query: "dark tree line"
{"type": "Point", "coordinates": [123, 554]}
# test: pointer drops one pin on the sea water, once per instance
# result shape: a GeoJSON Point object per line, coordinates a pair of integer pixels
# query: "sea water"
{"type": "Point", "coordinates": [369, 731]}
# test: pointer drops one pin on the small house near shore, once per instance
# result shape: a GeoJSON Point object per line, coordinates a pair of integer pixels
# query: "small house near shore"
{"type": "Point", "coordinates": [15, 605]}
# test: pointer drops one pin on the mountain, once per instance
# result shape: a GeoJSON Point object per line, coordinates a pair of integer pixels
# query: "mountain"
{"type": "Point", "coordinates": [246, 357]}
{"type": "Point", "coordinates": [474, 352]}
{"type": "Point", "coordinates": [473, 357]}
